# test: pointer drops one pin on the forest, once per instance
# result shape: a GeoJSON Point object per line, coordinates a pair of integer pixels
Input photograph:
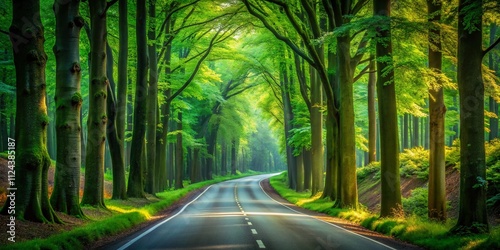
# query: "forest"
{"type": "Point", "coordinates": [106, 101]}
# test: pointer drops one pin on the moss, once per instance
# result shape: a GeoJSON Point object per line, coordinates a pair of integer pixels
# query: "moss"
{"type": "Point", "coordinates": [76, 99]}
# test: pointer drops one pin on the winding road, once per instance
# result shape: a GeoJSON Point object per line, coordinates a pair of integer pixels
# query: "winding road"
{"type": "Point", "coordinates": [238, 214]}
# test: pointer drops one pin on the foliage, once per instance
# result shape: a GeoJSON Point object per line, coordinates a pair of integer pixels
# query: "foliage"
{"type": "Point", "coordinates": [414, 162]}
{"type": "Point", "coordinates": [373, 167]}
{"type": "Point", "coordinates": [416, 203]}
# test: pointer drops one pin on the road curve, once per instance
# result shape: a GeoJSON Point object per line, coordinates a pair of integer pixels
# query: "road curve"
{"type": "Point", "coordinates": [238, 214]}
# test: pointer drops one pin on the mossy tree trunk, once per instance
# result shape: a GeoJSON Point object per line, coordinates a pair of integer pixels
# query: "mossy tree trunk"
{"type": "Point", "coordinates": [32, 159]}
{"type": "Point", "coordinates": [472, 216]}
{"type": "Point", "coordinates": [437, 110]}
{"type": "Point", "coordinates": [135, 181]}
{"type": "Point", "coordinates": [93, 193]}
{"type": "Point", "coordinates": [389, 142]}
{"type": "Point", "coordinates": [66, 195]}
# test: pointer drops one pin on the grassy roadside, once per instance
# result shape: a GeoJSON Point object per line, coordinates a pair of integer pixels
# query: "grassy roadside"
{"type": "Point", "coordinates": [413, 229]}
{"type": "Point", "coordinates": [122, 215]}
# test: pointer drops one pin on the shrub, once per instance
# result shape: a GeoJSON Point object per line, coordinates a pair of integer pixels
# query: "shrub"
{"type": "Point", "coordinates": [414, 161]}
{"type": "Point", "coordinates": [417, 202]}
{"type": "Point", "coordinates": [371, 168]}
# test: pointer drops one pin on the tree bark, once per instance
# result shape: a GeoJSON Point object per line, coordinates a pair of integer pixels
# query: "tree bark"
{"type": "Point", "coordinates": [179, 155]}
{"type": "Point", "coordinates": [152, 102]}
{"type": "Point", "coordinates": [437, 110]}
{"type": "Point", "coordinates": [115, 144]}
{"type": "Point", "coordinates": [93, 193]}
{"type": "Point", "coordinates": [348, 197]}
{"type": "Point", "coordinates": [135, 181]}
{"type": "Point", "coordinates": [472, 216]}
{"type": "Point", "coordinates": [66, 195]}
{"type": "Point", "coordinates": [391, 193]}
{"type": "Point", "coordinates": [31, 158]}
{"type": "Point", "coordinates": [372, 120]}
{"type": "Point", "coordinates": [234, 150]}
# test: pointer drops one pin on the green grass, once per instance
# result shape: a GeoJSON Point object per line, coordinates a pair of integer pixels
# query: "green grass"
{"type": "Point", "coordinates": [413, 229]}
{"type": "Point", "coordinates": [123, 215]}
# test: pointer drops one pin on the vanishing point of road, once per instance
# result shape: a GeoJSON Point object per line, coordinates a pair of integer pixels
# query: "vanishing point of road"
{"type": "Point", "coordinates": [238, 214]}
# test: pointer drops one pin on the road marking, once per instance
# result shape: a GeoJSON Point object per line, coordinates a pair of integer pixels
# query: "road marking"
{"type": "Point", "coordinates": [125, 246]}
{"type": "Point", "coordinates": [254, 231]}
{"type": "Point", "coordinates": [331, 224]}
{"type": "Point", "coordinates": [261, 244]}
{"type": "Point", "coordinates": [246, 218]}
{"type": "Point", "coordinates": [249, 223]}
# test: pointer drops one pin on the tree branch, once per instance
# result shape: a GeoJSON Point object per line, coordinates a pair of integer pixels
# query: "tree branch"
{"type": "Point", "coordinates": [278, 35]}
{"type": "Point", "coordinates": [492, 46]}
{"type": "Point", "coordinates": [4, 32]}
{"type": "Point", "coordinates": [363, 71]}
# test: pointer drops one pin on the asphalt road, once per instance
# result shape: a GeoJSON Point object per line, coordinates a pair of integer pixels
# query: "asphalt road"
{"type": "Point", "coordinates": [238, 214]}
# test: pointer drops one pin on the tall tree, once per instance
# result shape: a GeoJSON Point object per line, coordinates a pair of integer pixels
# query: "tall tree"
{"type": "Point", "coordinates": [388, 120]}
{"type": "Point", "coordinates": [472, 216]}
{"type": "Point", "coordinates": [179, 155]}
{"type": "Point", "coordinates": [66, 194]}
{"type": "Point", "coordinates": [135, 181]}
{"type": "Point", "coordinates": [32, 160]}
{"type": "Point", "coordinates": [152, 103]}
{"type": "Point", "coordinates": [437, 110]}
{"type": "Point", "coordinates": [372, 120]}
{"type": "Point", "coordinates": [115, 144]}
{"type": "Point", "coordinates": [93, 193]}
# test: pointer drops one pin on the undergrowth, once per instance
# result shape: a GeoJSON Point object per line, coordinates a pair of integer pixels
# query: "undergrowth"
{"type": "Point", "coordinates": [411, 228]}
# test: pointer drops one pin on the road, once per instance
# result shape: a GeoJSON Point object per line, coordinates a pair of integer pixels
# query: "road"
{"type": "Point", "coordinates": [238, 214]}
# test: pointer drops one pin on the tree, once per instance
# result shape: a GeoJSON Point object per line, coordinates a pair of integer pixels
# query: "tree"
{"type": "Point", "coordinates": [152, 103]}
{"type": "Point", "coordinates": [32, 160]}
{"type": "Point", "coordinates": [388, 120]}
{"type": "Point", "coordinates": [66, 194]}
{"type": "Point", "coordinates": [437, 110]}
{"type": "Point", "coordinates": [472, 216]}
{"type": "Point", "coordinates": [93, 193]}
{"type": "Point", "coordinates": [135, 181]}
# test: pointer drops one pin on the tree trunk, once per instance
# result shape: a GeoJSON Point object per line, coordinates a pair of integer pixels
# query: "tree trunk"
{"type": "Point", "coordinates": [288, 118]}
{"type": "Point", "coordinates": [223, 156]}
{"type": "Point", "coordinates": [437, 110]}
{"type": "Point", "coordinates": [93, 193]}
{"type": "Point", "coordinates": [406, 128]}
{"type": "Point", "coordinates": [32, 160]}
{"type": "Point", "coordinates": [372, 120]}
{"type": "Point", "coordinates": [115, 144]}
{"type": "Point", "coordinates": [316, 134]}
{"type": "Point", "coordinates": [415, 141]}
{"type": "Point", "coordinates": [135, 181]}
{"type": "Point", "coordinates": [391, 193]}
{"type": "Point", "coordinates": [234, 149]}
{"type": "Point", "coordinates": [179, 155]}
{"type": "Point", "coordinates": [472, 216]}
{"type": "Point", "coordinates": [300, 172]}
{"type": "Point", "coordinates": [348, 197]}
{"type": "Point", "coordinates": [152, 102]}
{"type": "Point", "coordinates": [66, 195]}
